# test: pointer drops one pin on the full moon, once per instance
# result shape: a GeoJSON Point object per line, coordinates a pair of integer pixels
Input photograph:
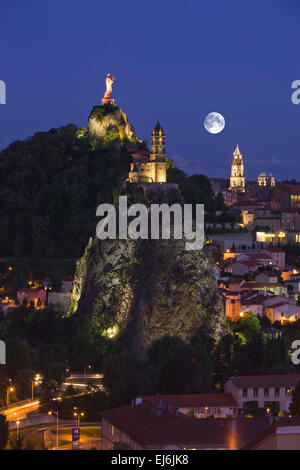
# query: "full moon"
{"type": "Point", "coordinates": [214, 123]}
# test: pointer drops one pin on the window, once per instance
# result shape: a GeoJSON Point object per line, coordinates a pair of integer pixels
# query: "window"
{"type": "Point", "coordinates": [255, 392]}
{"type": "Point", "coordinates": [245, 392]}
{"type": "Point", "coordinates": [277, 392]}
{"type": "Point", "coordinates": [266, 392]}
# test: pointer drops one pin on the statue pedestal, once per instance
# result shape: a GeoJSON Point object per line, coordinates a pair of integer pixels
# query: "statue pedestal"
{"type": "Point", "coordinates": [107, 99]}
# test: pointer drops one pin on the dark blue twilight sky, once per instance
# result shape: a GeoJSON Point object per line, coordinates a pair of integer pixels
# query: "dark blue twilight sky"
{"type": "Point", "coordinates": [174, 59]}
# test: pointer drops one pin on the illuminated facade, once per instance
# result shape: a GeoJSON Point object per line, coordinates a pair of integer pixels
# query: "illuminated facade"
{"type": "Point", "coordinates": [266, 179]}
{"type": "Point", "coordinates": [151, 168]}
{"type": "Point", "coordinates": [237, 179]}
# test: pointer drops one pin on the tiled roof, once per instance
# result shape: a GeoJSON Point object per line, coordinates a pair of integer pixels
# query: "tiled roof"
{"type": "Point", "coordinates": [279, 304]}
{"type": "Point", "coordinates": [274, 250]}
{"type": "Point", "coordinates": [267, 273]}
{"type": "Point", "coordinates": [194, 400]}
{"type": "Point", "coordinates": [277, 424]}
{"type": "Point", "coordinates": [262, 284]}
{"type": "Point", "coordinates": [257, 300]}
{"type": "Point", "coordinates": [249, 381]}
{"type": "Point", "coordinates": [144, 426]}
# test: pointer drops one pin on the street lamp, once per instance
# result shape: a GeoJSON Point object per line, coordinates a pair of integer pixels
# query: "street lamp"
{"type": "Point", "coordinates": [55, 413]}
{"type": "Point", "coordinates": [8, 390]}
{"type": "Point", "coordinates": [86, 367]}
{"type": "Point", "coordinates": [62, 374]}
{"type": "Point", "coordinates": [18, 424]}
{"type": "Point", "coordinates": [35, 382]}
{"type": "Point", "coordinates": [77, 415]}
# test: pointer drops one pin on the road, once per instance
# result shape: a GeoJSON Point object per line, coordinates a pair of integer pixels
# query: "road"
{"type": "Point", "coordinates": [20, 412]}
{"type": "Point", "coordinates": [87, 438]}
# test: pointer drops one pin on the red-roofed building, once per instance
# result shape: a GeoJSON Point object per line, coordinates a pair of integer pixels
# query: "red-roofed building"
{"type": "Point", "coordinates": [67, 284]}
{"type": "Point", "coordinates": [277, 255]}
{"type": "Point", "coordinates": [219, 405]}
{"type": "Point", "coordinates": [37, 296]}
{"type": "Point", "coordinates": [145, 426]}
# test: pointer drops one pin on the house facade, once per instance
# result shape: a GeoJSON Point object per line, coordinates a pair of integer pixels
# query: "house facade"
{"type": "Point", "coordinates": [266, 390]}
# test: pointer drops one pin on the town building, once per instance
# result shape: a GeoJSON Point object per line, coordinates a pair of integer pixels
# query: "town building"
{"type": "Point", "coordinates": [151, 168]}
{"type": "Point", "coordinates": [217, 405]}
{"type": "Point", "coordinates": [147, 427]}
{"type": "Point", "coordinates": [282, 312]}
{"type": "Point", "coordinates": [275, 287]}
{"type": "Point", "coordinates": [265, 390]}
{"type": "Point", "coordinates": [37, 296]}
{"type": "Point", "coordinates": [283, 434]}
{"type": "Point", "coordinates": [266, 179]}
{"type": "Point", "coordinates": [67, 284]}
{"type": "Point", "coordinates": [266, 276]}
{"type": "Point", "coordinates": [277, 255]}
{"type": "Point", "coordinates": [286, 195]}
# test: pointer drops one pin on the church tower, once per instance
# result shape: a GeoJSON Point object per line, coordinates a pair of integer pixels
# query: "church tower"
{"type": "Point", "coordinates": [158, 143]}
{"type": "Point", "coordinates": [237, 179]}
{"type": "Point", "coordinates": [151, 168]}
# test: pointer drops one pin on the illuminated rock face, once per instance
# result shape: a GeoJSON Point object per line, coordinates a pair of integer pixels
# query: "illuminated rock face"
{"type": "Point", "coordinates": [137, 291]}
{"type": "Point", "coordinates": [111, 120]}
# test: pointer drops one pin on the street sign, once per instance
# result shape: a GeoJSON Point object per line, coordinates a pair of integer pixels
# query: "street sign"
{"type": "Point", "coordinates": [75, 434]}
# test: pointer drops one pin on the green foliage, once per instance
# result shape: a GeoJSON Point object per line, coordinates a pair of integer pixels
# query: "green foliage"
{"type": "Point", "coordinates": [174, 175]}
{"type": "Point", "coordinates": [178, 367]}
{"type": "Point", "coordinates": [196, 189]}
{"type": "Point", "coordinates": [99, 112]}
{"type": "Point", "coordinates": [125, 377]}
{"type": "Point", "coordinates": [248, 325]}
{"type": "Point", "coordinates": [50, 187]}
{"type": "Point", "coordinates": [109, 137]}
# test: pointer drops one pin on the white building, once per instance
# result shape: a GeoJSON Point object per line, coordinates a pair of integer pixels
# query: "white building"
{"type": "Point", "coordinates": [263, 389]}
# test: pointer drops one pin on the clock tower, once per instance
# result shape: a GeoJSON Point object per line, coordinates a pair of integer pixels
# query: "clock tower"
{"type": "Point", "coordinates": [237, 179]}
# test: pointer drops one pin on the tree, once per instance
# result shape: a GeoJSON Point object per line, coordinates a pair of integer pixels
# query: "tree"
{"type": "Point", "coordinates": [3, 432]}
{"type": "Point", "coordinates": [249, 325]}
{"type": "Point", "coordinates": [295, 404]}
{"type": "Point", "coordinates": [178, 367]}
{"type": "Point", "coordinates": [120, 445]}
{"type": "Point", "coordinates": [125, 376]}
